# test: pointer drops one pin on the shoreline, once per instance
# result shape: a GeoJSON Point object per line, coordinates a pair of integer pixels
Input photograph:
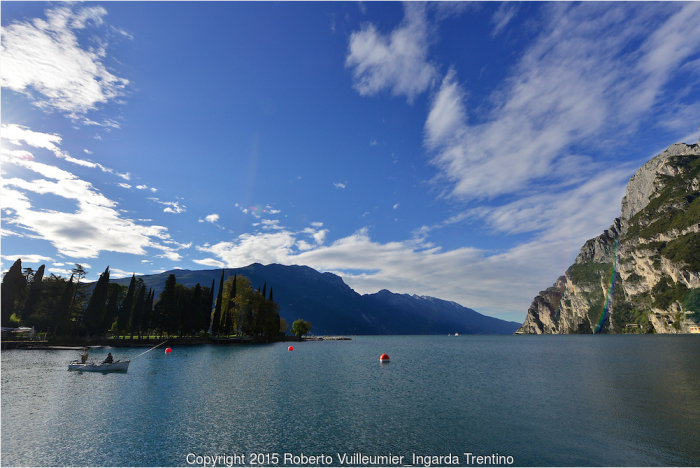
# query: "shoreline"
{"type": "Point", "coordinates": [80, 343]}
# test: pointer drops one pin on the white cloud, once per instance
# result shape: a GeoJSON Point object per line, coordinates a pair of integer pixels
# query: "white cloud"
{"type": "Point", "coordinates": [106, 123]}
{"type": "Point", "coordinates": [212, 218]}
{"type": "Point", "coordinates": [16, 134]}
{"type": "Point", "coordinates": [210, 262]}
{"type": "Point", "coordinates": [123, 185]}
{"type": "Point", "coordinates": [117, 273]}
{"type": "Point", "coordinates": [591, 75]}
{"type": "Point", "coordinates": [504, 283]}
{"type": "Point", "coordinates": [60, 271]}
{"type": "Point", "coordinates": [502, 17]}
{"type": "Point", "coordinates": [94, 226]}
{"type": "Point", "coordinates": [397, 62]}
{"type": "Point", "coordinates": [396, 206]}
{"type": "Point", "coordinates": [268, 224]}
{"type": "Point", "coordinates": [44, 55]}
{"type": "Point", "coordinates": [339, 185]}
{"type": "Point", "coordinates": [31, 258]}
{"type": "Point", "coordinates": [317, 224]}
{"type": "Point", "coordinates": [171, 207]}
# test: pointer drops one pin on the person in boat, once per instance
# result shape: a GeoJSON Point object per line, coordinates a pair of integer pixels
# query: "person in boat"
{"type": "Point", "coordinates": [109, 359]}
{"type": "Point", "coordinates": [84, 356]}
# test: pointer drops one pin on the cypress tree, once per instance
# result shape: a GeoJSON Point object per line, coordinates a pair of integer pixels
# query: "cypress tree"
{"type": "Point", "coordinates": [208, 304]}
{"type": "Point", "coordinates": [148, 311]}
{"type": "Point", "coordinates": [166, 307]}
{"type": "Point", "coordinates": [196, 307]}
{"type": "Point", "coordinates": [127, 305]}
{"type": "Point", "coordinates": [95, 309]}
{"type": "Point", "coordinates": [264, 291]}
{"type": "Point", "coordinates": [217, 310]}
{"type": "Point", "coordinates": [136, 321]}
{"type": "Point", "coordinates": [111, 310]}
{"type": "Point", "coordinates": [61, 314]}
{"type": "Point", "coordinates": [13, 285]}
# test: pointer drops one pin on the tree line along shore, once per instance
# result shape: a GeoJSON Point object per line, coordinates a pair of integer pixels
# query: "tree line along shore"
{"type": "Point", "coordinates": [65, 313]}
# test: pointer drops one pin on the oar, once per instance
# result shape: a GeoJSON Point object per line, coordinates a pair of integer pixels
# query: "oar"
{"type": "Point", "coordinates": [150, 349]}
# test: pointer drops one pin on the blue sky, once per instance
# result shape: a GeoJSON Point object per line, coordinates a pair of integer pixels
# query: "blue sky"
{"type": "Point", "coordinates": [463, 151]}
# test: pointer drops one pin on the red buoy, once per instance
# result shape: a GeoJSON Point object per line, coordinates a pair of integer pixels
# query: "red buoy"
{"type": "Point", "coordinates": [291, 348]}
{"type": "Point", "coordinates": [168, 350]}
{"type": "Point", "coordinates": [384, 358]}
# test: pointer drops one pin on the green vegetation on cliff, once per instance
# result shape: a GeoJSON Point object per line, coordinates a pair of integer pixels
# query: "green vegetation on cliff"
{"type": "Point", "coordinates": [677, 205]}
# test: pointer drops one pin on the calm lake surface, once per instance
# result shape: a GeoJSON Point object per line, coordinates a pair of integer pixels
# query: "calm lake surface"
{"type": "Point", "coordinates": [544, 400]}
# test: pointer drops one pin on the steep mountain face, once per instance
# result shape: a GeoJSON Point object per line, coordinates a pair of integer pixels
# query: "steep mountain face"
{"type": "Point", "coordinates": [333, 308]}
{"type": "Point", "coordinates": [642, 274]}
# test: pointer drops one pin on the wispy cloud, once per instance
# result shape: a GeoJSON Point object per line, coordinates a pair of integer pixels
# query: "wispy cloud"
{"type": "Point", "coordinates": [31, 258]}
{"type": "Point", "coordinates": [502, 17]}
{"type": "Point", "coordinates": [19, 134]}
{"type": "Point", "coordinates": [396, 62]}
{"type": "Point", "coordinates": [339, 185]}
{"type": "Point", "coordinates": [210, 262]}
{"type": "Point", "coordinates": [117, 273]}
{"type": "Point", "coordinates": [95, 225]}
{"type": "Point", "coordinates": [589, 76]}
{"type": "Point", "coordinates": [43, 59]}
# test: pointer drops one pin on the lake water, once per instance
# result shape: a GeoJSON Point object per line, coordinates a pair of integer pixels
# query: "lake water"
{"type": "Point", "coordinates": [542, 400]}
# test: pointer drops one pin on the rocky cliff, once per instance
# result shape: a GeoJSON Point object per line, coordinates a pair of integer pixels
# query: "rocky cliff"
{"type": "Point", "coordinates": [642, 275]}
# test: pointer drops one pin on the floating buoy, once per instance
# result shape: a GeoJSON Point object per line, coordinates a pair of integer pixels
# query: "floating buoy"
{"type": "Point", "coordinates": [168, 350]}
{"type": "Point", "coordinates": [384, 358]}
{"type": "Point", "coordinates": [291, 348]}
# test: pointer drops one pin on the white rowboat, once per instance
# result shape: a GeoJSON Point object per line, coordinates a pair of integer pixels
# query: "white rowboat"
{"type": "Point", "coordinates": [116, 366]}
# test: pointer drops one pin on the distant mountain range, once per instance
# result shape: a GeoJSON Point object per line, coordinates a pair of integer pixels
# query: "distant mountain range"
{"type": "Point", "coordinates": [333, 308]}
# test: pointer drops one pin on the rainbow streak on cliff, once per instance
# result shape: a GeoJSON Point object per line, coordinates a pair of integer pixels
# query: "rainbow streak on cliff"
{"type": "Point", "coordinates": [608, 295]}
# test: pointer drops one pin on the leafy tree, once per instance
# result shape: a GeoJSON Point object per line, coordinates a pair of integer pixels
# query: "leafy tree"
{"type": "Point", "coordinates": [300, 327]}
{"type": "Point", "coordinates": [228, 312]}
{"type": "Point", "coordinates": [39, 312]}
{"type": "Point", "coordinates": [79, 293]}
{"type": "Point", "coordinates": [284, 326]}
{"type": "Point", "coordinates": [13, 286]}
{"type": "Point", "coordinates": [29, 274]}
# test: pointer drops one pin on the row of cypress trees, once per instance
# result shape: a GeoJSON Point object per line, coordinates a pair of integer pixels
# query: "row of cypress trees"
{"type": "Point", "coordinates": [56, 304]}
